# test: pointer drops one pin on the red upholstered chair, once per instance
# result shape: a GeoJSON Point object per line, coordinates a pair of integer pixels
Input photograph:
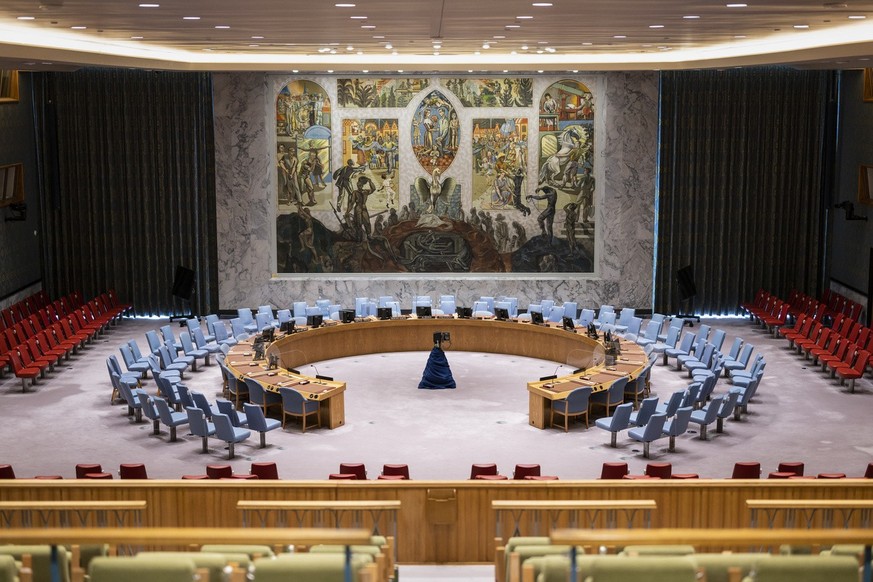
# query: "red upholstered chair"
{"type": "Point", "coordinates": [391, 478]}
{"type": "Point", "coordinates": [219, 471]}
{"type": "Point", "coordinates": [485, 469]}
{"type": "Point", "coordinates": [243, 476]}
{"type": "Point", "coordinates": [98, 475]}
{"type": "Point", "coordinates": [265, 470]}
{"type": "Point", "coordinates": [746, 470]}
{"type": "Point", "coordinates": [48, 477]}
{"type": "Point", "coordinates": [791, 467]}
{"type": "Point", "coordinates": [342, 477]}
{"type": "Point", "coordinates": [685, 476]}
{"type": "Point", "coordinates": [132, 471]}
{"type": "Point", "coordinates": [356, 469]}
{"type": "Point", "coordinates": [83, 469]}
{"type": "Point", "coordinates": [492, 478]}
{"type": "Point", "coordinates": [395, 471]}
{"type": "Point", "coordinates": [660, 470]}
{"type": "Point", "coordinates": [831, 475]}
{"type": "Point", "coordinates": [192, 477]}
{"type": "Point", "coordinates": [522, 471]}
{"type": "Point", "coordinates": [541, 478]}
{"type": "Point", "coordinates": [613, 470]}
{"type": "Point", "coordinates": [869, 472]}
{"type": "Point", "coordinates": [781, 475]}
{"type": "Point", "coordinates": [6, 472]}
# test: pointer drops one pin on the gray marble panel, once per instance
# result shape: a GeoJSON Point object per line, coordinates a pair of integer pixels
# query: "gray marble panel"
{"type": "Point", "coordinates": [625, 170]}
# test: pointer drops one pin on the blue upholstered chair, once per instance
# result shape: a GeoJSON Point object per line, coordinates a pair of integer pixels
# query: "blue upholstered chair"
{"type": "Point", "coordinates": [676, 426]}
{"type": "Point", "coordinates": [153, 340]}
{"type": "Point", "coordinates": [676, 322]}
{"type": "Point", "coordinates": [670, 407]}
{"type": "Point", "coordinates": [113, 366]}
{"type": "Point", "coordinates": [264, 321]}
{"type": "Point", "coordinates": [652, 431]}
{"type": "Point", "coordinates": [659, 347]}
{"type": "Point", "coordinates": [200, 401]}
{"type": "Point", "coordinates": [683, 349]}
{"type": "Point", "coordinates": [283, 316]}
{"type": "Point", "coordinates": [300, 308]}
{"type": "Point", "coordinates": [226, 407]}
{"type": "Point", "coordinates": [611, 397]}
{"type": "Point", "coordinates": [169, 361]}
{"type": "Point", "coordinates": [221, 337]}
{"type": "Point", "coordinates": [238, 329]}
{"type": "Point", "coordinates": [448, 305]}
{"type": "Point", "coordinates": [650, 335]}
{"type": "Point", "coordinates": [586, 317]}
{"type": "Point", "coordinates": [169, 418]}
{"type": "Point", "coordinates": [211, 320]}
{"type": "Point", "coordinates": [194, 323]}
{"type": "Point", "coordinates": [199, 426]}
{"type": "Point", "coordinates": [170, 339]}
{"type": "Point", "coordinates": [571, 309]}
{"type": "Point", "coordinates": [184, 396]}
{"type": "Point", "coordinates": [168, 391]}
{"type": "Point", "coordinates": [638, 388]}
{"type": "Point", "coordinates": [707, 415]}
{"type": "Point", "coordinates": [230, 434]}
{"type": "Point", "coordinates": [605, 321]}
{"type": "Point", "coordinates": [700, 361]}
{"type": "Point", "coordinates": [130, 362]}
{"type": "Point", "coordinates": [324, 306]}
{"type": "Point", "coordinates": [267, 312]}
{"type": "Point", "coordinates": [648, 407]}
{"type": "Point", "coordinates": [147, 405]}
{"type": "Point", "coordinates": [235, 389]}
{"type": "Point", "coordinates": [201, 343]}
{"type": "Point", "coordinates": [489, 303]}
{"type": "Point", "coordinates": [624, 320]}
{"type": "Point", "coordinates": [125, 389]}
{"type": "Point", "coordinates": [575, 404]}
{"type": "Point", "coordinates": [190, 350]}
{"type": "Point", "coordinates": [155, 363]}
{"type": "Point", "coordinates": [259, 423]}
{"type": "Point", "coordinates": [513, 305]}
{"type": "Point", "coordinates": [556, 314]}
{"type": "Point", "coordinates": [294, 404]}
{"type": "Point", "coordinates": [261, 397]}
{"type": "Point", "coordinates": [695, 353]}
{"type": "Point", "coordinates": [758, 365]}
{"type": "Point", "coordinates": [619, 421]}
{"type": "Point", "coordinates": [247, 319]}
{"type": "Point", "coordinates": [717, 339]}
{"type": "Point", "coordinates": [633, 329]}
{"type": "Point", "coordinates": [728, 405]}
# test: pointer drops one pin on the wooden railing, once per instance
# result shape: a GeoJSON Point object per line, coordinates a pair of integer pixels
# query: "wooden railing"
{"type": "Point", "coordinates": [61, 513]}
{"type": "Point", "coordinates": [814, 512]}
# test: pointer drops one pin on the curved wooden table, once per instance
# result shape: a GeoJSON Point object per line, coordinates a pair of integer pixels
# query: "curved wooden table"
{"type": "Point", "coordinates": [371, 336]}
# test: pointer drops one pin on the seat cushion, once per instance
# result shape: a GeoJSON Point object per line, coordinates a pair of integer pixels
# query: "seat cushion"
{"type": "Point", "coordinates": [144, 569]}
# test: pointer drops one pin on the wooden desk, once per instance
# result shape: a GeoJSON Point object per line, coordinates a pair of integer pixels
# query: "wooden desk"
{"type": "Point", "coordinates": [597, 375]}
{"type": "Point", "coordinates": [810, 509]}
{"type": "Point", "coordinates": [723, 538]}
{"type": "Point", "coordinates": [545, 342]}
{"type": "Point", "coordinates": [61, 511]}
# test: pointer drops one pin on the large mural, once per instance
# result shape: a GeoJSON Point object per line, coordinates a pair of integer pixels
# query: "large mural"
{"type": "Point", "coordinates": [505, 209]}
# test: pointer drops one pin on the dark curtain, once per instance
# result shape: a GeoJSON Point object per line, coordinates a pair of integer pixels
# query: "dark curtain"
{"type": "Point", "coordinates": [743, 172]}
{"type": "Point", "coordinates": [128, 186]}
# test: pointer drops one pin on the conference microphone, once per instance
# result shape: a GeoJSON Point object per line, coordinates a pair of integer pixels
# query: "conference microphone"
{"type": "Point", "coordinates": [319, 376]}
{"type": "Point", "coordinates": [554, 375]}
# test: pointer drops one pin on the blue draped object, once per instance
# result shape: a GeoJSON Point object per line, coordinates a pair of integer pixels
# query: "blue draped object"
{"type": "Point", "coordinates": [437, 374]}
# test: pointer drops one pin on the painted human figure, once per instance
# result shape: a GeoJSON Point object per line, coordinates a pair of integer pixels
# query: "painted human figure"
{"type": "Point", "coordinates": [317, 170]}
{"type": "Point", "coordinates": [305, 178]}
{"type": "Point", "coordinates": [546, 218]}
{"type": "Point", "coordinates": [284, 171]}
{"type": "Point", "coordinates": [343, 180]}
{"type": "Point", "coordinates": [571, 218]}
{"type": "Point", "coordinates": [549, 104]}
{"type": "Point", "coordinates": [518, 182]}
{"type": "Point", "coordinates": [388, 188]}
{"type": "Point", "coordinates": [362, 191]}
{"type": "Point", "coordinates": [454, 131]}
{"type": "Point", "coordinates": [585, 199]}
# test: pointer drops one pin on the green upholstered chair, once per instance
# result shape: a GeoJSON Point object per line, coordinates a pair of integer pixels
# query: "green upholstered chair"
{"type": "Point", "coordinates": [252, 551]}
{"type": "Point", "coordinates": [658, 550]}
{"type": "Point", "coordinates": [41, 556]}
{"type": "Point", "coordinates": [520, 554]}
{"type": "Point", "coordinates": [144, 569]}
{"type": "Point", "coordinates": [717, 566]}
{"type": "Point", "coordinates": [557, 568]}
{"type": "Point", "coordinates": [502, 569]}
{"type": "Point", "coordinates": [308, 567]}
{"type": "Point", "coordinates": [649, 568]}
{"type": "Point", "coordinates": [806, 568]}
{"type": "Point", "coordinates": [214, 563]}
{"type": "Point", "coordinates": [8, 569]}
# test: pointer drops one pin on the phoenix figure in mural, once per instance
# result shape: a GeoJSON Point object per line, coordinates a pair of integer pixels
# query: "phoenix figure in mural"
{"type": "Point", "coordinates": [433, 191]}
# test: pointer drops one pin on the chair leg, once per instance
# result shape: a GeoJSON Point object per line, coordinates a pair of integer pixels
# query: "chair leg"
{"type": "Point", "coordinates": [172, 434]}
{"type": "Point", "coordinates": [719, 425]}
{"type": "Point", "coordinates": [672, 447]}
{"type": "Point", "coordinates": [205, 446]}
{"type": "Point", "coordinates": [703, 432]}
{"type": "Point", "coordinates": [614, 439]}
{"type": "Point", "coordinates": [138, 415]}
{"type": "Point", "coordinates": [157, 428]}
{"type": "Point", "coordinates": [263, 440]}
{"type": "Point", "coordinates": [646, 450]}
{"type": "Point", "coordinates": [230, 450]}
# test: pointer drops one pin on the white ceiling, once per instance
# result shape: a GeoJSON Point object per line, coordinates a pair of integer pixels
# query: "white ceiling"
{"type": "Point", "coordinates": [316, 35]}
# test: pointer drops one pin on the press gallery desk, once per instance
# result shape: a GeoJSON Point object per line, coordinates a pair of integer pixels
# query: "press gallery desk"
{"type": "Point", "coordinates": [544, 342]}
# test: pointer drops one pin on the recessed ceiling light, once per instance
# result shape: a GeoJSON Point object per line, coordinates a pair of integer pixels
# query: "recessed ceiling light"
{"type": "Point", "coordinates": [350, 48]}
{"type": "Point", "coordinates": [740, 36]}
{"type": "Point", "coordinates": [136, 38]}
{"type": "Point", "coordinates": [333, 51]}
{"type": "Point", "coordinates": [513, 52]}
{"type": "Point", "coordinates": [656, 26]}
{"type": "Point", "coordinates": [149, 5]}
{"type": "Point", "coordinates": [524, 47]}
{"type": "Point", "coordinates": [394, 53]}
{"type": "Point", "coordinates": [857, 17]}
{"type": "Point", "coordinates": [330, 70]}
{"type": "Point", "coordinates": [550, 49]}
{"type": "Point", "coordinates": [477, 53]}
{"type": "Point", "coordinates": [498, 36]}
{"type": "Point", "coordinates": [620, 36]}
{"type": "Point", "coordinates": [360, 52]}
{"type": "Point", "coordinates": [254, 45]}
{"type": "Point", "coordinates": [257, 38]}
{"type": "Point", "coordinates": [389, 46]}
{"type": "Point", "coordinates": [587, 43]}
{"type": "Point", "coordinates": [542, 42]}
{"type": "Point", "coordinates": [542, 4]}
{"type": "Point", "coordinates": [26, 18]}
{"type": "Point", "coordinates": [436, 53]}
{"type": "Point", "coordinates": [222, 26]}
{"type": "Point", "coordinates": [575, 70]}
{"type": "Point", "coordinates": [512, 26]}
{"type": "Point", "coordinates": [79, 27]}
{"type": "Point", "coordinates": [344, 5]}
{"type": "Point", "coordinates": [740, 5]}
{"type": "Point", "coordinates": [365, 71]}
{"type": "Point", "coordinates": [190, 18]}
{"type": "Point", "coordinates": [691, 17]}
{"type": "Point", "coordinates": [524, 17]}
{"type": "Point", "coordinates": [358, 17]}
{"type": "Point", "coordinates": [540, 51]}
{"type": "Point", "coordinates": [801, 26]}
{"type": "Point", "coordinates": [368, 26]}
{"type": "Point", "coordinates": [540, 71]}
{"type": "Point", "coordinates": [399, 70]}
{"type": "Point", "coordinates": [485, 45]}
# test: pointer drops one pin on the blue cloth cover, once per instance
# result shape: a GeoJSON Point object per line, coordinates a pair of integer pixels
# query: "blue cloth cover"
{"type": "Point", "coordinates": [437, 374]}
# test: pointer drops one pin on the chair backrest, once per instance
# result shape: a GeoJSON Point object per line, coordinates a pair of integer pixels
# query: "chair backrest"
{"type": "Point", "coordinates": [167, 334]}
{"type": "Point", "coordinates": [577, 400]}
{"type": "Point", "coordinates": [626, 315]}
{"type": "Point", "coordinates": [677, 322]}
{"type": "Point", "coordinates": [153, 340]}
{"type": "Point", "coordinates": [134, 349]}
{"type": "Point", "coordinates": [746, 354]}
{"type": "Point", "coordinates": [718, 338]}
{"type": "Point", "coordinates": [200, 402]}
{"type": "Point", "coordinates": [192, 324]}
{"type": "Point", "coordinates": [223, 427]}
{"type": "Point", "coordinates": [127, 356]}
{"type": "Point", "coordinates": [226, 407]}
{"type": "Point", "coordinates": [633, 328]}
{"type": "Point", "coordinates": [187, 344]}
{"type": "Point", "coordinates": [255, 417]}
{"type": "Point", "coordinates": [703, 330]}
{"type": "Point", "coordinates": [197, 422]}
{"type": "Point", "coordinates": [556, 314]}
{"type": "Point", "coordinates": [256, 391]}
{"type": "Point", "coordinates": [164, 411]}
{"type": "Point", "coordinates": [735, 348]}
{"type": "Point", "coordinates": [686, 343]}
{"type": "Point", "coordinates": [547, 303]}
{"type": "Point", "coordinates": [616, 391]}
{"type": "Point", "coordinates": [184, 395]}
{"type": "Point", "coordinates": [211, 320]}
{"type": "Point", "coordinates": [647, 409]}
{"type": "Point", "coordinates": [607, 318]}
{"type": "Point", "coordinates": [570, 309]}
{"type": "Point", "coordinates": [713, 408]}
{"type": "Point", "coordinates": [729, 402]}
{"type": "Point", "coordinates": [245, 315]}
{"type": "Point", "coordinates": [292, 400]}
{"type": "Point", "coordinates": [264, 320]}
{"type": "Point", "coordinates": [489, 302]}
{"type": "Point", "coordinates": [586, 317]}
{"type": "Point", "coordinates": [113, 365]}
{"type": "Point", "coordinates": [679, 424]}
{"type": "Point", "coordinates": [283, 315]}
{"type": "Point", "coordinates": [654, 427]}
{"type": "Point", "coordinates": [147, 404]}
{"type": "Point", "coordinates": [674, 402]}
{"type": "Point", "coordinates": [621, 417]}
{"type": "Point", "coordinates": [237, 327]}
{"type": "Point", "coordinates": [690, 396]}
{"type": "Point", "coordinates": [300, 308]}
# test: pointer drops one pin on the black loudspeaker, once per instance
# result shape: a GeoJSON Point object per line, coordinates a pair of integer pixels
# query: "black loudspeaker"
{"type": "Point", "coordinates": [685, 278]}
{"type": "Point", "coordinates": [183, 283]}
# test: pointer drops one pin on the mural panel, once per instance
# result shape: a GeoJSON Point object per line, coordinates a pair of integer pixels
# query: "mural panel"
{"type": "Point", "coordinates": [370, 150]}
{"type": "Point", "coordinates": [510, 92]}
{"type": "Point", "coordinates": [377, 92]}
{"type": "Point", "coordinates": [508, 222]}
{"type": "Point", "coordinates": [436, 132]}
{"type": "Point", "coordinates": [303, 146]}
{"type": "Point", "coordinates": [499, 164]}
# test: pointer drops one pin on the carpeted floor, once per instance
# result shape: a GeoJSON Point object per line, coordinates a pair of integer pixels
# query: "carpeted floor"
{"type": "Point", "coordinates": [799, 414]}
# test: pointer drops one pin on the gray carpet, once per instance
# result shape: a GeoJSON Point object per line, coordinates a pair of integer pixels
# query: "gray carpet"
{"type": "Point", "coordinates": [799, 414]}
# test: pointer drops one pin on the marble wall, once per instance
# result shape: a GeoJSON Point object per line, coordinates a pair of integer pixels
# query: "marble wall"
{"type": "Point", "coordinates": [626, 136]}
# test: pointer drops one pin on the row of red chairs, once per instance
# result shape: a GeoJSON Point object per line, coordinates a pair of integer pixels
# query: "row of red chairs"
{"type": "Point", "coordinates": [772, 312]}
{"type": "Point", "coordinates": [32, 346]}
{"type": "Point", "coordinates": [844, 350]}
{"type": "Point", "coordinates": [23, 309]}
{"type": "Point", "coordinates": [742, 470]}
{"type": "Point", "coordinates": [838, 304]}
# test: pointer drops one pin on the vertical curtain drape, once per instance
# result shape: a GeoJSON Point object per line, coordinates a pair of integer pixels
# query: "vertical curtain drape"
{"type": "Point", "coordinates": [743, 172]}
{"type": "Point", "coordinates": [128, 185]}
